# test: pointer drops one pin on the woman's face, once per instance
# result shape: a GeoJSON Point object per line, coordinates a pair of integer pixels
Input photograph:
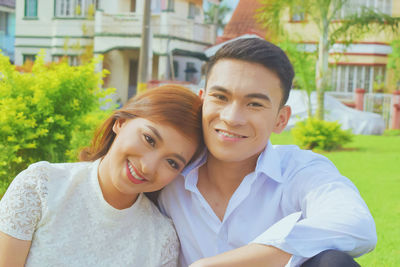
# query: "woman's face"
{"type": "Point", "coordinates": [144, 157]}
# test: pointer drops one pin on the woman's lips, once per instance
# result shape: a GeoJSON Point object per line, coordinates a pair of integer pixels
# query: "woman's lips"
{"type": "Point", "coordinates": [133, 174]}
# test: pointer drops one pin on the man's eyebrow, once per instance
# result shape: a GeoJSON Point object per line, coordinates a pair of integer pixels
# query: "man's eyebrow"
{"type": "Point", "coordinates": [157, 133]}
{"type": "Point", "coordinates": [219, 88]}
{"type": "Point", "coordinates": [259, 95]}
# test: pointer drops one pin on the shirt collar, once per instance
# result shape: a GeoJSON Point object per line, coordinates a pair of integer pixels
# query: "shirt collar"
{"type": "Point", "coordinates": [269, 163]}
{"type": "Point", "coordinates": [190, 171]}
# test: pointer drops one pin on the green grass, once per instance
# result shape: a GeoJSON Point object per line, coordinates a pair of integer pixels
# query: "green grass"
{"type": "Point", "coordinates": [373, 164]}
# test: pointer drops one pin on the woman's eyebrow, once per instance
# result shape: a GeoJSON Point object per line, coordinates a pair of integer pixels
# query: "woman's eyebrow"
{"type": "Point", "coordinates": [155, 132]}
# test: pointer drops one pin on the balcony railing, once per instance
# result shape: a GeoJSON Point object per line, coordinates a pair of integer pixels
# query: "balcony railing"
{"type": "Point", "coordinates": [161, 24]}
{"type": "Point", "coordinates": [7, 3]}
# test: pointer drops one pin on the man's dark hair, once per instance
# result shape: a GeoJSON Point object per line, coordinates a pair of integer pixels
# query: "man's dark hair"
{"type": "Point", "coordinates": [256, 50]}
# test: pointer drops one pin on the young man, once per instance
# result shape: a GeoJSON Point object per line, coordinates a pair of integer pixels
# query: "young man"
{"type": "Point", "coordinates": [245, 202]}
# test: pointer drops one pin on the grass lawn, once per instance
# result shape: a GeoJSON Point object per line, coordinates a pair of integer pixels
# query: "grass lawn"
{"type": "Point", "coordinates": [373, 164]}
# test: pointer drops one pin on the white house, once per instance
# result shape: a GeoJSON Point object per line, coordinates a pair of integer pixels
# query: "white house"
{"type": "Point", "coordinates": [7, 27]}
{"type": "Point", "coordinates": [113, 29]}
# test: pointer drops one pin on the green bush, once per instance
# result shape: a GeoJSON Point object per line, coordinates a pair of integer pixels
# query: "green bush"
{"type": "Point", "coordinates": [83, 133]}
{"type": "Point", "coordinates": [392, 132]}
{"type": "Point", "coordinates": [40, 111]}
{"type": "Point", "coordinates": [321, 135]}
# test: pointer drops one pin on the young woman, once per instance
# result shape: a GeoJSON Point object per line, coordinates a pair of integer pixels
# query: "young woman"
{"type": "Point", "coordinates": [94, 213]}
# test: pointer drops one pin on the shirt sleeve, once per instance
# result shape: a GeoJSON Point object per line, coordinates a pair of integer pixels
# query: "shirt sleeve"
{"type": "Point", "coordinates": [333, 216]}
{"type": "Point", "coordinates": [21, 205]}
{"type": "Point", "coordinates": [170, 251]}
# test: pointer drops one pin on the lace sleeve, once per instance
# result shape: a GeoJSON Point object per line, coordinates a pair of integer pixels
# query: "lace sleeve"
{"type": "Point", "coordinates": [21, 205]}
{"type": "Point", "coordinates": [170, 251]}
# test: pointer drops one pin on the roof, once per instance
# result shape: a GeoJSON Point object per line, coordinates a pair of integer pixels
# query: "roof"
{"type": "Point", "coordinates": [243, 21]}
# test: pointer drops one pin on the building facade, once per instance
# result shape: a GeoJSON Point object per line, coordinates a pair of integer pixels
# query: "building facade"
{"type": "Point", "coordinates": [113, 29]}
{"type": "Point", "coordinates": [361, 64]}
{"type": "Point", "coordinates": [7, 27]}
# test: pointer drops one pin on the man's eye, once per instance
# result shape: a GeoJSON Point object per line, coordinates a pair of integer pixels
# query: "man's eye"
{"type": "Point", "coordinates": [149, 140]}
{"type": "Point", "coordinates": [173, 164]}
{"type": "Point", "coordinates": [255, 104]}
{"type": "Point", "coordinates": [220, 97]}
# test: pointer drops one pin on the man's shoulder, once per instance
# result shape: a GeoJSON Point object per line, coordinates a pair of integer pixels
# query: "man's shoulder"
{"type": "Point", "coordinates": [304, 165]}
{"type": "Point", "coordinates": [294, 157]}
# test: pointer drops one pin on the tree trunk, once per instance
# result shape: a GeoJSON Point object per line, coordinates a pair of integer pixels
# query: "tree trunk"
{"type": "Point", "coordinates": [322, 70]}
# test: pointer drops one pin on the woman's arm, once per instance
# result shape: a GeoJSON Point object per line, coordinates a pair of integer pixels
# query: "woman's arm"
{"type": "Point", "coordinates": [13, 251]}
{"type": "Point", "coordinates": [250, 255]}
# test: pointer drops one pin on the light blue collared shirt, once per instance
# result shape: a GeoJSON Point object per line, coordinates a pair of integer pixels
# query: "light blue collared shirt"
{"type": "Point", "coordinates": [295, 200]}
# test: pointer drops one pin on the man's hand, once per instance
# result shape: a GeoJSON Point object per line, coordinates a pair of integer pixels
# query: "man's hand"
{"type": "Point", "coordinates": [250, 255]}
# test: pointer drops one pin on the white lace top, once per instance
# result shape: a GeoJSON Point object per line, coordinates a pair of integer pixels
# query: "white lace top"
{"type": "Point", "coordinates": [60, 207]}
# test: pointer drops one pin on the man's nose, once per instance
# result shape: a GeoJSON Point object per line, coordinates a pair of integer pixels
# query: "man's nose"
{"type": "Point", "coordinates": [233, 114]}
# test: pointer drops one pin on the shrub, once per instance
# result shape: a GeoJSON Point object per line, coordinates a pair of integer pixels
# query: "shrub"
{"type": "Point", "coordinates": [84, 131]}
{"type": "Point", "coordinates": [318, 134]}
{"type": "Point", "coordinates": [40, 111]}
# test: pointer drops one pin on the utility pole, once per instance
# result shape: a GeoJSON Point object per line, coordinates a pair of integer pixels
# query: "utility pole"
{"type": "Point", "coordinates": [144, 49]}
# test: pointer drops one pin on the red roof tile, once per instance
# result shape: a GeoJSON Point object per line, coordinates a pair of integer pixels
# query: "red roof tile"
{"type": "Point", "coordinates": [243, 21]}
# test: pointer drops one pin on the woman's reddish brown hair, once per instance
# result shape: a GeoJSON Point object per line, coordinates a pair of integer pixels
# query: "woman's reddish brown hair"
{"type": "Point", "coordinates": [173, 105]}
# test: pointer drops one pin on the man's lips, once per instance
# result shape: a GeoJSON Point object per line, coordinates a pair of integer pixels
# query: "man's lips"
{"type": "Point", "coordinates": [133, 174]}
{"type": "Point", "coordinates": [230, 135]}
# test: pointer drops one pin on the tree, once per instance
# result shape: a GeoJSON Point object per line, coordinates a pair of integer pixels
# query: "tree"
{"type": "Point", "coordinates": [216, 14]}
{"type": "Point", "coordinates": [394, 63]}
{"type": "Point", "coordinates": [304, 67]}
{"type": "Point", "coordinates": [322, 13]}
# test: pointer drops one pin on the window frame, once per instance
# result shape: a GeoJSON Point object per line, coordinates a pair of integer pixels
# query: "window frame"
{"type": "Point", "coordinates": [27, 6]}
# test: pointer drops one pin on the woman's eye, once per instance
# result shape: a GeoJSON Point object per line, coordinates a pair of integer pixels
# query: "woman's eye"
{"type": "Point", "coordinates": [149, 140]}
{"type": "Point", "coordinates": [173, 164]}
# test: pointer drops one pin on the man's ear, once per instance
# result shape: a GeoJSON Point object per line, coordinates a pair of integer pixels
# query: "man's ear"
{"type": "Point", "coordinates": [118, 125]}
{"type": "Point", "coordinates": [282, 119]}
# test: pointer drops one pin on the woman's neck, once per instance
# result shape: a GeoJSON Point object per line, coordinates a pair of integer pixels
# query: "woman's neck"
{"type": "Point", "coordinates": [111, 195]}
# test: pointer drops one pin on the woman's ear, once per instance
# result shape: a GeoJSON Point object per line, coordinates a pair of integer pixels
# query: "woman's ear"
{"type": "Point", "coordinates": [118, 125]}
{"type": "Point", "coordinates": [201, 93]}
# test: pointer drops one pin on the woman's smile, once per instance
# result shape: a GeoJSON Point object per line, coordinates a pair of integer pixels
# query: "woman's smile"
{"type": "Point", "coordinates": [133, 174]}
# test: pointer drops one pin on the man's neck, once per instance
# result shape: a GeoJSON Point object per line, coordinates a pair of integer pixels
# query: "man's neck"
{"type": "Point", "coordinates": [218, 180]}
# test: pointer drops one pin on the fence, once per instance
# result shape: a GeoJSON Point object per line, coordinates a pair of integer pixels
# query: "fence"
{"type": "Point", "coordinates": [381, 104]}
{"type": "Point", "coordinates": [373, 102]}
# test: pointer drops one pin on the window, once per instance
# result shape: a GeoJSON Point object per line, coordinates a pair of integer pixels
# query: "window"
{"type": "Point", "coordinates": [176, 69]}
{"type": "Point", "coordinates": [72, 60]}
{"type": "Point", "coordinates": [297, 14]}
{"type": "Point", "coordinates": [190, 72]}
{"type": "Point", "coordinates": [171, 5]}
{"type": "Point", "coordinates": [31, 8]}
{"type": "Point", "coordinates": [192, 10]}
{"type": "Point", "coordinates": [156, 6]}
{"type": "Point", "coordinates": [346, 78]}
{"type": "Point", "coordinates": [28, 57]}
{"type": "Point", "coordinates": [74, 8]}
{"type": "Point", "coordinates": [3, 22]}
{"type": "Point", "coordinates": [355, 6]}
{"type": "Point", "coordinates": [133, 6]}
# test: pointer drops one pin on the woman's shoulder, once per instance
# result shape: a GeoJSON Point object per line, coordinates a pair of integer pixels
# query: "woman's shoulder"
{"type": "Point", "coordinates": [160, 220]}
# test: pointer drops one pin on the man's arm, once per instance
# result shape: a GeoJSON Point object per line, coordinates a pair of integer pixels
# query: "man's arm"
{"type": "Point", "coordinates": [255, 255]}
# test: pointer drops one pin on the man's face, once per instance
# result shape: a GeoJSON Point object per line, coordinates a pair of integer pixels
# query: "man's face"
{"type": "Point", "coordinates": [241, 108]}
